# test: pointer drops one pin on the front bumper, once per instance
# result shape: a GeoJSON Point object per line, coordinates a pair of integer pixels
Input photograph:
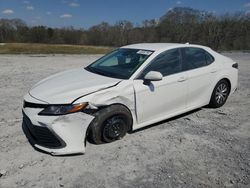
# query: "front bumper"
{"type": "Point", "coordinates": [58, 135]}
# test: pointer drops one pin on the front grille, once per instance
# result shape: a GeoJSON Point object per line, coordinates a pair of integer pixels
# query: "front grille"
{"type": "Point", "coordinates": [42, 135]}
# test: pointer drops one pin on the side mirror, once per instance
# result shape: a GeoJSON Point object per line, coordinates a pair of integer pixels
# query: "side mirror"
{"type": "Point", "coordinates": [153, 76]}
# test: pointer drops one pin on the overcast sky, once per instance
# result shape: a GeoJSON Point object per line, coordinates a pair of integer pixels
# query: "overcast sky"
{"type": "Point", "coordinates": [85, 13]}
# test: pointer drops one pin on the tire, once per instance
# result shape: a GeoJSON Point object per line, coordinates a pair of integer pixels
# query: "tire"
{"type": "Point", "coordinates": [110, 124]}
{"type": "Point", "coordinates": [220, 94]}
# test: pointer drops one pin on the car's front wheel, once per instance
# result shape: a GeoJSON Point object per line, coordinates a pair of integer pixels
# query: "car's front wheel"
{"type": "Point", "coordinates": [110, 124]}
{"type": "Point", "coordinates": [220, 94]}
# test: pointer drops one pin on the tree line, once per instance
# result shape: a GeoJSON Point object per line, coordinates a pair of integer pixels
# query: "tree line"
{"type": "Point", "coordinates": [178, 25]}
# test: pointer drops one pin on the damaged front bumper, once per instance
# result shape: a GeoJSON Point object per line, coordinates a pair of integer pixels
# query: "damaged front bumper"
{"type": "Point", "coordinates": [58, 135]}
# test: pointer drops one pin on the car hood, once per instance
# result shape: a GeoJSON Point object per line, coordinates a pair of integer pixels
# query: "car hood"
{"type": "Point", "coordinates": [65, 87]}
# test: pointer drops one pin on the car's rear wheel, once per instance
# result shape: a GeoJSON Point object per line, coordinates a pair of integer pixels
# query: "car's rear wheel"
{"type": "Point", "coordinates": [110, 124]}
{"type": "Point", "coordinates": [220, 94]}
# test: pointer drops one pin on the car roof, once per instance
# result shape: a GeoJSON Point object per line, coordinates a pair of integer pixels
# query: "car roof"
{"type": "Point", "coordinates": [160, 46]}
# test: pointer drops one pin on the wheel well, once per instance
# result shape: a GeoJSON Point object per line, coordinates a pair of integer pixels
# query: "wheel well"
{"type": "Point", "coordinates": [131, 116]}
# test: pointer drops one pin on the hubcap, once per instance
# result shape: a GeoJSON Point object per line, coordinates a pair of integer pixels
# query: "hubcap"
{"type": "Point", "coordinates": [221, 93]}
{"type": "Point", "coordinates": [114, 127]}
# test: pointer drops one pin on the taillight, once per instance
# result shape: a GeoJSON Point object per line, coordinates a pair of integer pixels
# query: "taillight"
{"type": "Point", "coordinates": [235, 65]}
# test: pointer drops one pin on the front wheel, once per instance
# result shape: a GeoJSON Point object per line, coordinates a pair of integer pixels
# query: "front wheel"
{"type": "Point", "coordinates": [220, 94]}
{"type": "Point", "coordinates": [114, 128]}
{"type": "Point", "coordinates": [110, 124]}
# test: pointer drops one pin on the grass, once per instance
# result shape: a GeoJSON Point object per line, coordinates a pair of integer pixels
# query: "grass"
{"type": "Point", "coordinates": [32, 48]}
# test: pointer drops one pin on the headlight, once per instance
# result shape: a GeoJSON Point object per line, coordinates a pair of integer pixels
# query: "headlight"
{"type": "Point", "coordinates": [63, 109]}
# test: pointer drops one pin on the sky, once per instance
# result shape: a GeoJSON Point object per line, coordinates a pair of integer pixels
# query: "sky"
{"type": "Point", "coordinates": [86, 13]}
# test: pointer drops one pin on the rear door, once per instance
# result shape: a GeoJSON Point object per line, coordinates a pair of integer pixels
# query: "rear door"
{"type": "Point", "coordinates": [200, 70]}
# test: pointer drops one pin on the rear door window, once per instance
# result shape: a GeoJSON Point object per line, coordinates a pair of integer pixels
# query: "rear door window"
{"type": "Point", "coordinates": [194, 58]}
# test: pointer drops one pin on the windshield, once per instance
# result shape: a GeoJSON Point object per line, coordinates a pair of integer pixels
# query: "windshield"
{"type": "Point", "coordinates": [121, 63]}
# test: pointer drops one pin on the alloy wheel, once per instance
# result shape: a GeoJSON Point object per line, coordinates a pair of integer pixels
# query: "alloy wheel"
{"type": "Point", "coordinates": [221, 93]}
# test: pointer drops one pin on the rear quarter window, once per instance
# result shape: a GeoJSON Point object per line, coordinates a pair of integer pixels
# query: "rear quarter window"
{"type": "Point", "coordinates": [209, 58]}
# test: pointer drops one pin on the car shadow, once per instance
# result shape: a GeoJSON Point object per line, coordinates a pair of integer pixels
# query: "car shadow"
{"type": "Point", "coordinates": [154, 124]}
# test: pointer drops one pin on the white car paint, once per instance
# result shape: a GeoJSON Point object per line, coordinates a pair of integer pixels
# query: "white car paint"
{"type": "Point", "coordinates": [65, 87]}
{"type": "Point", "coordinates": [164, 97]}
{"type": "Point", "coordinates": [173, 95]}
{"type": "Point", "coordinates": [70, 128]}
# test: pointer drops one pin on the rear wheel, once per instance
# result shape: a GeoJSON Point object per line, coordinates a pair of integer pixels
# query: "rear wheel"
{"type": "Point", "coordinates": [110, 124]}
{"type": "Point", "coordinates": [220, 94]}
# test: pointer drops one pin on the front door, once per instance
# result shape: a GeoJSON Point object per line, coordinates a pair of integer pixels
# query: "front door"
{"type": "Point", "coordinates": [159, 99]}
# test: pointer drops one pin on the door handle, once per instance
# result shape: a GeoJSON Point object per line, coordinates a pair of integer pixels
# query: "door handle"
{"type": "Point", "coordinates": [181, 79]}
{"type": "Point", "coordinates": [213, 70]}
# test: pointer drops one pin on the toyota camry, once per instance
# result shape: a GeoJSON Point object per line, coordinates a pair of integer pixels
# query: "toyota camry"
{"type": "Point", "coordinates": [130, 88]}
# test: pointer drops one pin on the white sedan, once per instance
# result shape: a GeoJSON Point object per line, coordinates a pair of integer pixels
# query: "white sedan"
{"type": "Point", "coordinates": [127, 89]}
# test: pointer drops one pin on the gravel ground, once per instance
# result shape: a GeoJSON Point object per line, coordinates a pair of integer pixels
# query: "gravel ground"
{"type": "Point", "coordinates": [205, 148]}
